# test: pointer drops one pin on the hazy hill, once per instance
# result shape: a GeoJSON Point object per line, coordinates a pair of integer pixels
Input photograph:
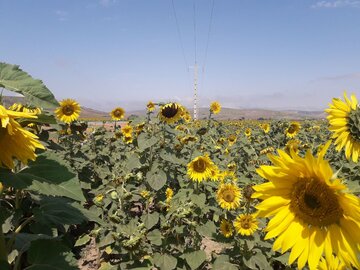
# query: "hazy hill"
{"type": "Point", "coordinates": [225, 114]}
{"type": "Point", "coordinates": [234, 114]}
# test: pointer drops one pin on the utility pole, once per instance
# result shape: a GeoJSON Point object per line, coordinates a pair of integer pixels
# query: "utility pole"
{"type": "Point", "coordinates": [195, 90]}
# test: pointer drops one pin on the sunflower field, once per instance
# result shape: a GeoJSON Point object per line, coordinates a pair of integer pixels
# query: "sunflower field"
{"type": "Point", "coordinates": [167, 192]}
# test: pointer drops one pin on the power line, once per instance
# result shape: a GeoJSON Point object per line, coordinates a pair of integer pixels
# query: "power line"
{"type": "Point", "coordinates": [207, 42]}
{"type": "Point", "coordinates": [180, 38]}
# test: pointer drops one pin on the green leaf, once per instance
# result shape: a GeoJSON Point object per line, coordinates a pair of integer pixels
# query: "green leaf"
{"type": "Point", "coordinates": [144, 141]}
{"type": "Point", "coordinates": [83, 240]}
{"type": "Point", "coordinates": [50, 255]}
{"type": "Point", "coordinates": [45, 176]}
{"type": "Point", "coordinates": [208, 229]}
{"type": "Point", "coordinates": [195, 259]}
{"type": "Point", "coordinates": [14, 79]}
{"type": "Point", "coordinates": [155, 237]}
{"type": "Point", "coordinates": [156, 180]}
{"type": "Point", "coordinates": [165, 261]}
{"type": "Point", "coordinates": [223, 263]}
{"type": "Point", "coordinates": [150, 220]}
{"type": "Point", "coordinates": [58, 211]}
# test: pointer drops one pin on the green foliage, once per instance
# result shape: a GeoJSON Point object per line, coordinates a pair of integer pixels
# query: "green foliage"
{"type": "Point", "coordinates": [14, 79]}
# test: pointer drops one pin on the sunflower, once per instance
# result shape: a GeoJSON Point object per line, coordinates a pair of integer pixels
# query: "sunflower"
{"type": "Point", "coordinates": [246, 224]}
{"type": "Point", "coordinates": [17, 107]}
{"type": "Point", "coordinates": [117, 114]}
{"type": "Point", "coordinates": [68, 111]}
{"type": "Point", "coordinates": [292, 145]}
{"type": "Point", "coordinates": [232, 139]}
{"type": "Point", "coordinates": [226, 228]}
{"type": "Point", "coordinates": [215, 107]}
{"type": "Point", "coordinates": [312, 211]}
{"type": "Point", "coordinates": [265, 127]}
{"type": "Point", "coordinates": [344, 119]}
{"type": "Point", "coordinates": [15, 141]}
{"type": "Point", "coordinates": [170, 112]}
{"type": "Point", "coordinates": [293, 129]}
{"type": "Point", "coordinates": [150, 106]}
{"type": "Point", "coordinates": [127, 130]}
{"type": "Point", "coordinates": [145, 194]}
{"type": "Point", "coordinates": [331, 263]}
{"type": "Point", "coordinates": [200, 168]}
{"type": "Point", "coordinates": [248, 132]}
{"type": "Point", "coordinates": [228, 196]}
{"type": "Point", "coordinates": [128, 139]}
{"type": "Point", "coordinates": [169, 194]}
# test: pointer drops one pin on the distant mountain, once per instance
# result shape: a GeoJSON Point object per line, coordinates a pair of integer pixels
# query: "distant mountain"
{"type": "Point", "coordinates": [235, 114]}
{"type": "Point", "coordinates": [225, 114]}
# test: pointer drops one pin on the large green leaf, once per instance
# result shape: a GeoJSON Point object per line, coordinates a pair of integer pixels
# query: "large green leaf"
{"type": "Point", "coordinates": [150, 220]}
{"type": "Point", "coordinates": [14, 79]}
{"type": "Point", "coordinates": [50, 255]}
{"type": "Point", "coordinates": [45, 176]}
{"type": "Point", "coordinates": [195, 258]}
{"type": "Point", "coordinates": [58, 211]}
{"type": "Point", "coordinates": [165, 261]}
{"type": "Point", "coordinates": [144, 141]}
{"type": "Point", "coordinates": [156, 179]}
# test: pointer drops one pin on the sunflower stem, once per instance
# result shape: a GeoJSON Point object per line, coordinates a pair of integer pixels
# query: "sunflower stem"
{"type": "Point", "coordinates": [3, 250]}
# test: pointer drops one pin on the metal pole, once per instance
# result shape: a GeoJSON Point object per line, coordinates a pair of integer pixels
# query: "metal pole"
{"type": "Point", "coordinates": [195, 91]}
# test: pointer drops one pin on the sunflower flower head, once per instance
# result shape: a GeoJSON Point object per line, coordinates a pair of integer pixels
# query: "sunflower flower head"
{"type": "Point", "coordinates": [68, 111]}
{"type": "Point", "coordinates": [117, 114]}
{"type": "Point", "coordinates": [228, 196]}
{"type": "Point", "coordinates": [312, 212]}
{"type": "Point", "coordinates": [200, 168]}
{"type": "Point", "coordinates": [232, 139]}
{"type": "Point", "coordinates": [215, 107]}
{"type": "Point", "coordinates": [344, 120]}
{"type": "Point", "coordinates": [265, 127]}
{"type": "Point", "coordinates": [15, 141]}
{"type": "Point", "coordinates": [293, 129]}
{"type": "Point", "coordinates": [246, 224]}
{"type": "Point", "coordinates": [248, 132]}
{"type": "Point", "coordinates": [331, 263]}
{"type": "Point", "coordinates": [169, 194]}
{"type": "Point", "coordinates": [226, 228]}
{"type": "Point", "coordinates": [127, 130]}
{"type": "Point", "coordinates": [150, 106]}
{"type": "Point", "coordinates": [170, 113]}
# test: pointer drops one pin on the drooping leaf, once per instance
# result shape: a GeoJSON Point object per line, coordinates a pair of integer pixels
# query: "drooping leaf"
{"type": "Point", "coordinates": [58, 211]}
{"type": "Point", "coordinates": [45, 176]}
{"type": "Point", "coordinates": [14, 79]}
{"type": "Point", "coordinates": [50, 255]}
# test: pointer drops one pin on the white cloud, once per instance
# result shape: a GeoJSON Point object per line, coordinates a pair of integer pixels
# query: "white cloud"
{"type": "Point", "coordinates": [62, 15]}
{"type": "Point", "coordinates": [337, 4]}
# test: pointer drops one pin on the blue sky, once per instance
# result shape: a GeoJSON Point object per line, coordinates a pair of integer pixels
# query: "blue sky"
{"type": "Point", "coordinates": [278, 54]}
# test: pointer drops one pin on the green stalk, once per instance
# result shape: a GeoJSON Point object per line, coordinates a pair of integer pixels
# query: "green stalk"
{"type": "Point", "coordinates": [3, 250]}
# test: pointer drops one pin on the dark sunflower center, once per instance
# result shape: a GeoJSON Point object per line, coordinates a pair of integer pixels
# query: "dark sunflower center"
{"type": "Point", "coordinates": [354, 124]}
{"type": "Point", "coordinates": [68, 110]}
{"type": "Point", "coordinates": [118, 113]}
{"type": "Point", "coordinates": [200, 166]}
{"type": "Point", "coordinates": [170, 111]}
{"type": "Point", "coordinates": [315, 203]}
{"type": "Point", "coordinates": [229, 196]}
{"type": "Point", "coordinates": [246, 223]}
{"type": "Point", "coordinates": [292, 129]}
